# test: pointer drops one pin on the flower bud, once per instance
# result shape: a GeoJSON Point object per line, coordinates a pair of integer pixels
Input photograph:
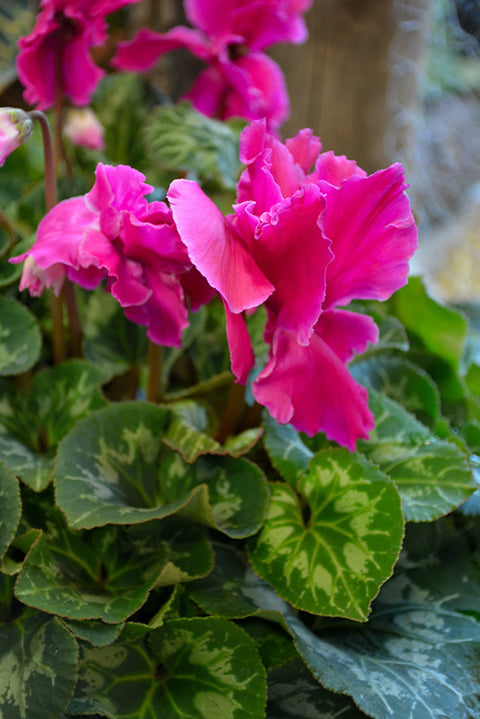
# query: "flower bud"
{"type": "Point", "coordinates": [82, 127]}
{"type": "Point", "coordinates": [15, 128]}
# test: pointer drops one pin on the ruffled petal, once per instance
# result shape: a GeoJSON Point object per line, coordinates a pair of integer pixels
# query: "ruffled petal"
{"type": "Point", "coordinates": [35, 279]}
{"type": "Point", "coordinates": [61, 232]}
{"type": "Point", "coordinates": [215, 250]}
{"type": "Point", "coordinates": [304, 148]}
{"type": "Point", "coordinates": [240, 345]}
{"type": "Point", "coordinates": [346, 333]}
{"type": "Point", "coordinates": [80, 75]}
{"type": "Point", "coordinates": [211, 16]}
{"type": "Point", "coordinates": [196, 289]}
{"type": "Point", "coordinates": [311, 388]}
{"type": "Point", "coordinates": [165, 312]}
{"type": "Point", "coordinates": [334, 169]}
{"type": "Point", "coordinates": [373, 235]}
{"type": "Point", "coordinates": [147, 46]}
{"type": "Point", "coordinates": [293, 252]}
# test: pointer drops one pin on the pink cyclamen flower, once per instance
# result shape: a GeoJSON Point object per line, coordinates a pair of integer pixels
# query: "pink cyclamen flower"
{"type": "Point", "coordinates": [55, 57]}
{"type": "Point", "coordinates": [229, 36]}
{"type": "Point", "coordinates": [113, 232]}
{"type": "Point", "coordinates": [82, 127]}
{"type": "Point", "coordinates": [304, 243]}
{"type": "Point", "coordinates": [15, 129]}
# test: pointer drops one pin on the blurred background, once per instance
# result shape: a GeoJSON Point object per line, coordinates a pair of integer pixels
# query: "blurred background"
{"type": "Point", "coordinates": [378, 80]}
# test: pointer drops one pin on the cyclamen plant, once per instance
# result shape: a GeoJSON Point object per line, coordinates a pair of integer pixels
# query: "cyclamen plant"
{"type": "Point", "coordinates": [181, 534]}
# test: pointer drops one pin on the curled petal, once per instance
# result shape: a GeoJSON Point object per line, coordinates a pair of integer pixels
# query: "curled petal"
{"type": "Point", "coordinates": [214, 248]}
{"type": "Point", "coordinates": [373, 235]}
{"type": "Point", "coordinates": [311, 388]}
{"type": "Point", "coordinates": [304, 148]}
{"type": "Point", "coordinates": [334, 169]}
{"type": "Point", "coordinates": [35, 279]}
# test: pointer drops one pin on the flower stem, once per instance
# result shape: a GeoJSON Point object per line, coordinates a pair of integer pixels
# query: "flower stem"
{"type": "Point", "coordinates": [74, 323]}
{"type": "Point", "coordinates": [56, 307]}
{"type": "Point", "coordinates": [233, 412]}
{"type": "Point", "coordinates": [154, 358]}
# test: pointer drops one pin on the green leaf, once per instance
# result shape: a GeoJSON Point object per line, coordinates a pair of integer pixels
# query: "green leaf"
{"type": "Point", "coordinates": [333, 559]}
{"type": "Point", "coordinates": [11, 507]}
{"type": "Point", "coordinates": [20, 339]}
{"type": "Point", "coordinates": [288, 454]}
{"type": "Point", "coordinates": [96, 632]}
{"type": "Point", "coordinates": [433, 477]}
{"type": "Point", "coordinates": [16, 19]}
{"type": "Point", "coordinates": [274, 644]}
{"type": "Point", "coordinates": [294, 693]}
{"type": "Point", "coordinates": [440, 329]}
{"type": "Point", "coordinates": [231, 587]}
{"type": "Point", "coordinates": [188, 434]}
{"type": "Point", "coordinates": [182, 139]}
{"type": "Point", "coordinates": [108, 573]}
{"type": "Point", "coordinates": [38, 658]}
{"type": "Point", "coordinates": [403, 382]}
{"type": "Point", "coordinates": [32, 424]}
{"type": "Point", "coordinates": [111, 341]}
{"type": "Point", "coordinates": [113, 468]}
{"type": "Point", "coordinates": [201, 667]}
{"type": "Point", "coordinates": [418, 657]}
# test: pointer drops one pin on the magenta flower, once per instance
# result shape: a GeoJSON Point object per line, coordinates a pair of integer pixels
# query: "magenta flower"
{"type": "Point", "coordinates": [304, 243]}
{"type": "Point", "coordinates": [55, 57]}
{"type": "Point", "coordinates": [229, 36]}
{"type": "Point", "coordinates": [113, 232]}
{"type": "Point", "coordinates": [15, 128]}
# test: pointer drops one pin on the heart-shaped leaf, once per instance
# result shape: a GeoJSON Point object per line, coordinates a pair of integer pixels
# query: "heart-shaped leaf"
{"type": "Point", "coordinates": [331, 555]}
{"type": "Point", "coordinates": [20, 339]}
{"type": "Point", "coordinates": [433, 477]}
{"type": "Point", "coordinates": [201, 667]}
{"type": "Point", "coordinates": [293, 692]}
{"type": "Point", "coordinates": [108, 573]}
{"type": "Point", "coordinates": [419, 655]}
{"type": "Point", "coordinates": [38, 667]}
{"type": "Point", "coordinates": [403, 382]}
{"type": "Point", "coordinates": [114, 468]}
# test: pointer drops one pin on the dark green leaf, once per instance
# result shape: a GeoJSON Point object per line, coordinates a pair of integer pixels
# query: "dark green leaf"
{"type": "Point", "coordinates": [11, 507]}
{"type": "Point", "coordinates": [294, 693]}
{"type": "Point", "coordinates": [38, 666]}
{"type": "Point", "coordinates": [432, 476]}
{"type": "Point", "coordinates": [20, 339]}
{"type": "Point", "coordinates": [201, 668]}
{"type": "Point", "coordinates": [108, 573]}
{"type": "Point", "coordinates": [403, 382]}
{"type": "Point", "coordinates": [114, 468]}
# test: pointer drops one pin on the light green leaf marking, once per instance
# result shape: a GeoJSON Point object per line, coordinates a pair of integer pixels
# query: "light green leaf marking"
{"type": "Point", "coordinates": [333, 560]}
{"type": "Point", "coordinates": [37, 668]}
{"type": "Point", "coordinates": [201, 668]}
{"type": "Point", "coordinates": [433, 477]}
{"type": "Point", "coordinates": [113, 467]}
{"type": "Point", "coordinates": [188, 434]}
{"type": "Point", "coordinates": [108, 573]}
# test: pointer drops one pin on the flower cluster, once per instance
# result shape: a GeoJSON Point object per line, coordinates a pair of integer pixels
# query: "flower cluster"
{"type": "Point", "coordinates": [309, 233]}
{"type": "Point", "coordinates": [113, 232]}
{"type": "Point", "coordinates": [304, 243]}
{"type": "Point", "coordinates": [229, 37]}
{"type": "Point", "coordinates": [55, 58]}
